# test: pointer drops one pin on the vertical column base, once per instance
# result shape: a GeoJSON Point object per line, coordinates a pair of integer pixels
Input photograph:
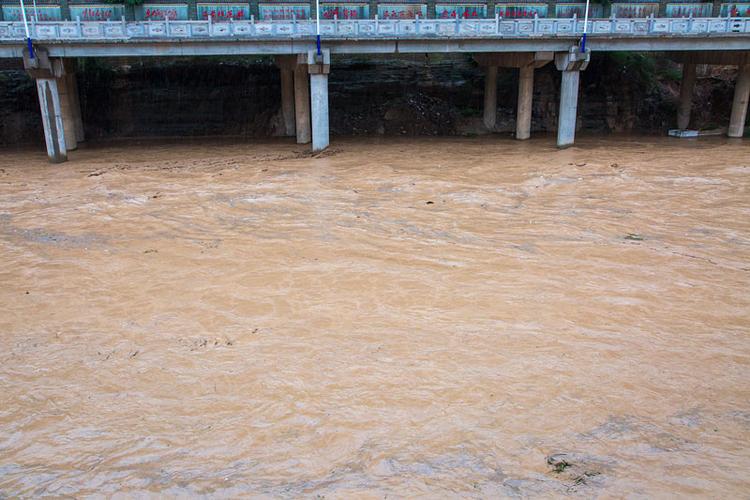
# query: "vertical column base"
{"type": "Point", "coordinates": [54, 134]}
{"type": "Point", "coordinates": [686, 96]}
{"type": "Point", "coordinates": [490, 98]}
{"type": "Point", "coordinates": [570, 64]}
{"type": "Point", "coordinates": [740, 102]}
{"type": "Point", "coordinates": [76, 105]}
{"type": "Point", "coordinates": [319, 66]}
{"type": "Point", "coordinates": [68, 114]}
{"type": "Point", "coordinates": [286, 66]}
{"type": "Point", "coordinates": [302, 102]}
{"type": "Point", "coordinates": [525, 96]}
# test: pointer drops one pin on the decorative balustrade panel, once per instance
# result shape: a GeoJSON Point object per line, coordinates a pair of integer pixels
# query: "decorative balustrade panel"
{"type": "Point", "coordinates": [373, 28]}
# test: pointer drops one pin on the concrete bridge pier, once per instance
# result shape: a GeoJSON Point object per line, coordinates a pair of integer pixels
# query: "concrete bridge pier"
{"type": "Point", "coordinates": [686, 95]}
{"type": "Point", "coordinates": [571, 64]}
{"type": "Point", "coordinates": [58, 102]}
{"type": "Point", "coordinates": [52, 120]}
{"type": "Point", "coordinates": [525, 96]}
{"type": "Point", "coordinates": [490, 97]}
{"type": "Point", "coordinates": [319, 65]}
{"type": "Point", "coordinates": [302, 100]}
{"type": "Point", "coordinates": [526, 62]}
{"type": "Point", "coordinates": [75, 102]}
{"type": "Point", "coordinates": [287, 65]}
{"type": "Point", "coordinates": [739, 104]}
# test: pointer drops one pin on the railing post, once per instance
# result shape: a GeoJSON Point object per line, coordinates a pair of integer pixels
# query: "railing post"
{"type": "Point", "coordinates": [78, 26]}
{"type": "Point", "coordinates": [497, 23]}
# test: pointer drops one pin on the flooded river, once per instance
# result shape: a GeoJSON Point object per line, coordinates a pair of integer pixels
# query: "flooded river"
{"type": "Point", "coordinates": [392, 318]}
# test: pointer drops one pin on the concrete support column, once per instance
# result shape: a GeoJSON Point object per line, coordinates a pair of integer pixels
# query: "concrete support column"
{"type": "Point", "coordinates": [54, 134]}
{"type": "Point", "coordinates": [566, 124]}
{"type": "Point", "coordinates": [66, 110]}
{"type": "Point", "coordinates": [570, 64]}
{"type": "Point", "coordinates": [302, 104]}
{"type": "Point", "coordinates": [319, 98]}
{"type": "Point", "coordinates": [287, 100]}
{"type": "Point", "coordinates": [525, 95]}
{"type": "Point", "coordinates": [287, 65]}
{"type": "Point", "coordinates": [739, 104]}
{"type": "Point", "coordinates": [490, 97]}
{"type": "Point", "coordinates": [686, 96]}
{"type": "Point", "coordinates": [76, 105]}
{"type": "Point", "coordinates": [319, 66]}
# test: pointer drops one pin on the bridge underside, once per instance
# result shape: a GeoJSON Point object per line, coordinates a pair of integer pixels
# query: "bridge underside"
{"type": "Point", "coordinates": [214, 47]}
{"type": "Point", "coordinates": [304, 69]}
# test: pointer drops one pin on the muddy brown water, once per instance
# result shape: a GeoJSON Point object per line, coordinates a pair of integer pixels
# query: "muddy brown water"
{"type": "Point", "coordinates": [394, 318]}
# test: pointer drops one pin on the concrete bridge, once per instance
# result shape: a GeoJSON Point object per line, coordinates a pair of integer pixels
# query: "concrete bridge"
{"type": "Point", "coordinates": [520, 43]}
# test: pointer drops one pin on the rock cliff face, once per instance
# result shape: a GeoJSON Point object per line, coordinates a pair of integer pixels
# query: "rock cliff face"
{"type": "Point", "coordinates": [418, 95]}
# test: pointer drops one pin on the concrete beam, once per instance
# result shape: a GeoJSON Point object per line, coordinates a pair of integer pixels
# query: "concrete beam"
{"type": "Point", "coordinates": [490, 97]}
{"type": "Point", "coordinates": [54, 134]}
{"type": "Point", "coordinates": [739, 104]}
{"type": "Point", "coordinates": [384, 45]}
{"type": "Point", "coordinates": [319, 65]}
{"type": "Point", "coordinates": [525, 97]}
{"type": "Point", "coordinates": [571, 64]}
{"type": "Point", "coordinates": [686, 95]}
{"type": "Point", "coordinates": [514, 59]}
{"type": "Point", "coordinates": [302, 103]}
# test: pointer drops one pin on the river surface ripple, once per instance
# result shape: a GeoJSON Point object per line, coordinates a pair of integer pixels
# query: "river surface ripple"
{"type": "Point", "coordinates": [416, 317]}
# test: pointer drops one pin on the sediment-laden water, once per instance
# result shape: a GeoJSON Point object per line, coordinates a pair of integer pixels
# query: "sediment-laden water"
{"type": "Point", "coordinates": [391, 318]}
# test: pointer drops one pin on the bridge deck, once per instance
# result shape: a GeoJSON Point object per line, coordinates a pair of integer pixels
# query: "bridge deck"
{"type": "Point", "coordinates": [120, 38]}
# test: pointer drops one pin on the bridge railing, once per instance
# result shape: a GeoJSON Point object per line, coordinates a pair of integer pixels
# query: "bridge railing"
{"type": "Point", "coordinates": [374, 28]}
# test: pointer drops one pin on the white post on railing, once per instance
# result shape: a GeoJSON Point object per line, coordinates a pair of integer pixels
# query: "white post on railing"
{"type": "Point", "coordinates": [497, 23]}
{"type": "Point", "coordinates": [585, 27]}
{"type": "Point", "coordinates": [26, 28]}
{"type": "Point", "coordinates": [416, 23]}
{"type": "Point", "coordinates": [317, 25]}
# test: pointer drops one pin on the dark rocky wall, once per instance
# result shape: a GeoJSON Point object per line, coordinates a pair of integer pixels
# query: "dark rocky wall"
{"type": "Point", "coordinates": [417, 95]}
